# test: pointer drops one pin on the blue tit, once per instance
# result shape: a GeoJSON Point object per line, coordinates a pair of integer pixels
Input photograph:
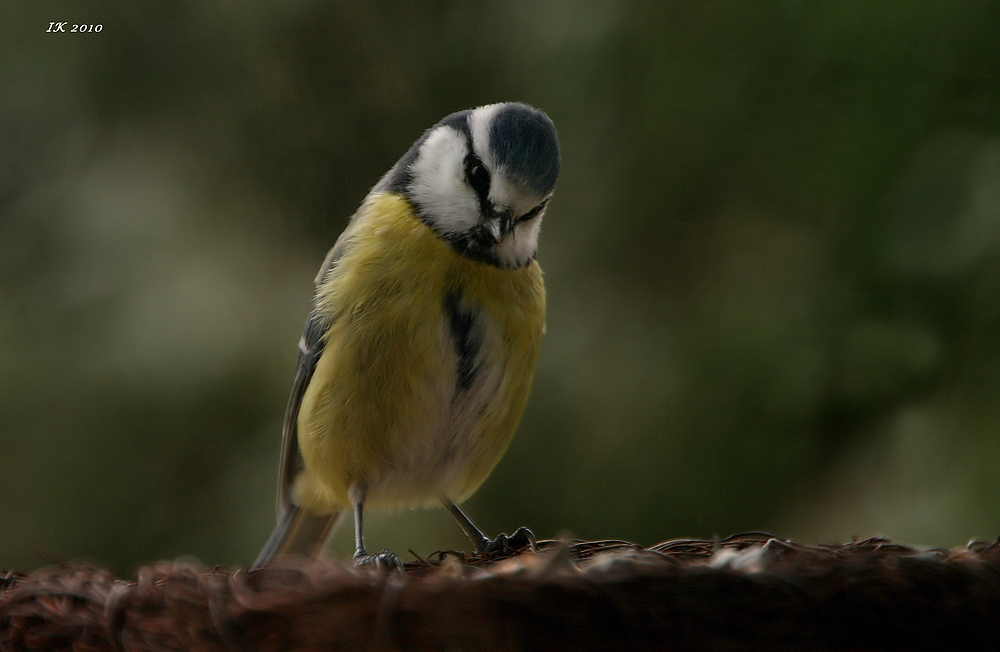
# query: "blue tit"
{"type": "Point", "coordinates": [418, 355]}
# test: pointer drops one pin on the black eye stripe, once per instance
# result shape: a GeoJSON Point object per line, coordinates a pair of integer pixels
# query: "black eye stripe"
{"type": "Point", "coordinates": [533, 212]}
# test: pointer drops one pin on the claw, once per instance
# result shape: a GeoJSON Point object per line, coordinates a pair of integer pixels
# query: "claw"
{"type": "Point", "coordinates": [522, 538]}
{"type": "Point", "coordinates": [380, 560]}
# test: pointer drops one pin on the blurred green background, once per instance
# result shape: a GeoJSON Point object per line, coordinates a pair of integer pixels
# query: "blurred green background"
{"type": "Point", "coordinates": [773, 262]}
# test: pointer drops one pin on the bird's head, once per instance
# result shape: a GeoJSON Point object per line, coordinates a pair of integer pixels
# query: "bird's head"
{"type": "Point", "coordinates": [481, 179]}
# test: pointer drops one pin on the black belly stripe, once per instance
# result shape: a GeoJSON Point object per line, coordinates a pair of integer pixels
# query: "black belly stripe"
{"type": "Point", "coordinates": [460, 327]}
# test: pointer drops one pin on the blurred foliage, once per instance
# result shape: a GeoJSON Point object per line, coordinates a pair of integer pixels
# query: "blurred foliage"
{"type": "Point", "coordinates": [773, 261]}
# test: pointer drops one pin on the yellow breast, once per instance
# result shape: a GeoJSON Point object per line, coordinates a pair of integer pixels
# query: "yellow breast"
{"type": "Point", "coordinates": [382, 411]}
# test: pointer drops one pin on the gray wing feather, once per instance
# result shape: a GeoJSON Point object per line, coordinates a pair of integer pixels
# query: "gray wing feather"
{"type": "Point", "coordinates": [310, 349]}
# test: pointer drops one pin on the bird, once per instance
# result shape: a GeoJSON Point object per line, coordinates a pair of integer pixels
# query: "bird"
{"type": "Point", "coordinates": [421, 344]}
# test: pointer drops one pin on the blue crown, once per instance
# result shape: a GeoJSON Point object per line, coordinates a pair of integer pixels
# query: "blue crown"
{"type": "Point", "coordinates": [525, 146]}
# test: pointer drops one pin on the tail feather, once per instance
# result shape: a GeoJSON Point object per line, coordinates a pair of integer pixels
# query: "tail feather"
{"type": "Point", "coordinates": [298, 533]}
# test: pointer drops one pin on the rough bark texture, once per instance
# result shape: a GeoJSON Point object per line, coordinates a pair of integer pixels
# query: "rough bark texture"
{"type": "Point", "coordinates": [748, 592]}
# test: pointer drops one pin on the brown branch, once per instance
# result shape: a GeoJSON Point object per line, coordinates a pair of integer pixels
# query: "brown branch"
{"type": "Point", "coordinates": [751, 591]}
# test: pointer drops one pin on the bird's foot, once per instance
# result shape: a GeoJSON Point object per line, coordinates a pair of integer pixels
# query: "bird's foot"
{"type": "Point", "coordinates": [386, 559]}
{"type": "Point", "coordinates": [522, 538]}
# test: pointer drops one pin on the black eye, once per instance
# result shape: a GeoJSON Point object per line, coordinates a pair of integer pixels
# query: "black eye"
{"type": "Point", "coordinates": [477, 175]}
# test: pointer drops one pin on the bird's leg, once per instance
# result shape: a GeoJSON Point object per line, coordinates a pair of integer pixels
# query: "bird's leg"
{"type": "Point", "coordinates": [384, 559]}
{"type": "Point", "coordinates": [522, 537]}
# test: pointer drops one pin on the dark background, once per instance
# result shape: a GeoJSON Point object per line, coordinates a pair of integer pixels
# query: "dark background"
{"type": "Point", "coordinates": [773, 262]}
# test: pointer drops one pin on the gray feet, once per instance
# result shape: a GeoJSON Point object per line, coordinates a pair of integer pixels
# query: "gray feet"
{"type": "Point", "coordinates": [522, 538]}
{"type": "Point", "coordinates": [385, 560]}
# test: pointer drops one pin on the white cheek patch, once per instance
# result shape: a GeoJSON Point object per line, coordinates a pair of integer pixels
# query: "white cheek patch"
{"type": "Point", "coordinates": [438, 185]}
{"type": "Point", "coordinates": [520, 246]}
{"type": "Point", "coordinates": [511, 195]}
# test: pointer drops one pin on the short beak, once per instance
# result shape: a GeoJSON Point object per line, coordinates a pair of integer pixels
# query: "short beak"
{"type": "Point", "coordinates": [499, 225]}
